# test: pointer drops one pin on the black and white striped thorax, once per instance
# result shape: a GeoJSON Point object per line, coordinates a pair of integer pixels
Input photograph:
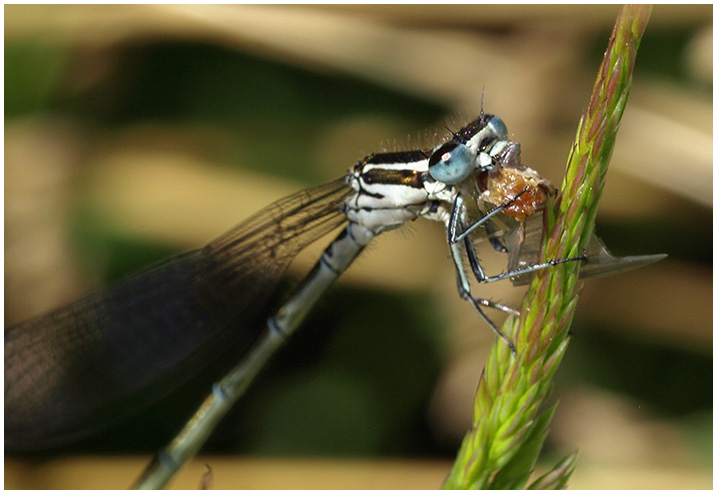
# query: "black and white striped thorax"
{"type": "Point", "coordinates": [394, 188]}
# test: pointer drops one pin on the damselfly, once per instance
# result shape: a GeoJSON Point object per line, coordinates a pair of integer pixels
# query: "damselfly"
{"type": "Point", "coordinates": [88, 365]}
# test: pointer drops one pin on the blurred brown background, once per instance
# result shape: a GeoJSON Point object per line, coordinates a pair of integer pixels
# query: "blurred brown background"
{"type": "Point", "coordinates": [134, 132]}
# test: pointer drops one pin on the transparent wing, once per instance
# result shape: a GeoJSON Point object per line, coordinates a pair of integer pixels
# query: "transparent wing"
{"type": "Point", "coordinates": [523, 244]}
{"type": "Point", "coordinates": [179, 324]}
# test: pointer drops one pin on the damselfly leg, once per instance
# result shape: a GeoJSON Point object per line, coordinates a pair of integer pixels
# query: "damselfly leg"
{"type": "Point", "coordinates": [497, 306]}
{"type": "Point", "coordinates": [460, 238]}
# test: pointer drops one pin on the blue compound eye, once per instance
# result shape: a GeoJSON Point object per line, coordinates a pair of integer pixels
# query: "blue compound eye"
{"type": "Point", "coordinates": [497, 126]}
{"type": "Point", "coordinates": [452, 163]}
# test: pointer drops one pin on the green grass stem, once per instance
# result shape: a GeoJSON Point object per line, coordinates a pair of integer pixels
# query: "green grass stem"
{"type": "Point", "coordinates": [511, 418]}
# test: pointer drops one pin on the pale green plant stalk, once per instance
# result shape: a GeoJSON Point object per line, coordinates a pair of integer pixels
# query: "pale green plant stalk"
{"type": "Point", "coordinates": [510, 417]}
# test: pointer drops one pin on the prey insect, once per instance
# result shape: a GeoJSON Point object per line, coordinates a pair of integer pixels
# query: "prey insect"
{"type": "Point", "coordinates": [209, 312]}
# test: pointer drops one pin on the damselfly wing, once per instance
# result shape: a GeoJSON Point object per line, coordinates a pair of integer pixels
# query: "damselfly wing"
{"type": "Point", "coordinates": [523, 244]}
{"type": "Point", "coordinates": [89, 365]}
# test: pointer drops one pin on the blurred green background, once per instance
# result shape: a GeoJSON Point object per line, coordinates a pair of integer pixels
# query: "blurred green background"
{"type": "Point", "coordinates": [136, 132]}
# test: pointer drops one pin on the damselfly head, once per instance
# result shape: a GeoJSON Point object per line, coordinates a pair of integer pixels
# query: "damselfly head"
{"type": "Point", "coordinates": [471, 149]}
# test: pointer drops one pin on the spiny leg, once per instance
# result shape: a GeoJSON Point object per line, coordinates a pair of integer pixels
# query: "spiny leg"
{"type": "Point", "coordinates": [476, 303]}
{"type": "Point", "coordinates": [482, 278]}
{"type": "Point", "coordinates": [496, 305]}
{"type": "Point", "coordinates": [527, 269]}
{"type": "Point", "coordinates": [464, 289]}
{"type": "Point", "coordinates": [455, 224]}
{"type": "Point", "coordinates": [477, 268]}
{"type": "Point", "coordinates": [454, 236]}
